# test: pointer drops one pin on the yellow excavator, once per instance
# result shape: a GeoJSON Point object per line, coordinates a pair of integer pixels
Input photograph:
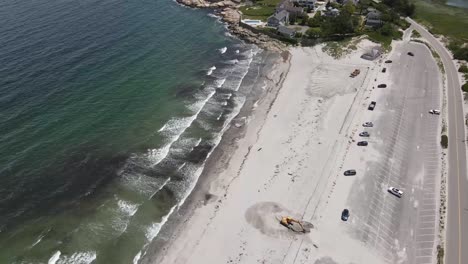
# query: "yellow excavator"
{"type": "Point", "coordinates": [288, 222]}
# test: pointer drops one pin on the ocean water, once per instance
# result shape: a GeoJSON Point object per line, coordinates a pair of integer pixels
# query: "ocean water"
{"type": "Point", "coordinates": [108, 111]}
{"type": "Point", "coordinates": [458, 3]}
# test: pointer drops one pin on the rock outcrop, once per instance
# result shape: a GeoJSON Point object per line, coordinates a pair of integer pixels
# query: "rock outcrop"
{"type": "Point", "coordinates": [229, 13]}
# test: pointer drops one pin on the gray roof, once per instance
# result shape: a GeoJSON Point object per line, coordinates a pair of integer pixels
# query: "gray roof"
{"type": "Point", "coordinates": [283, 14]}
{"type": "Point", "coordinates": [285, 30]}
{"type": "Point", "coordinates": [373, 15]}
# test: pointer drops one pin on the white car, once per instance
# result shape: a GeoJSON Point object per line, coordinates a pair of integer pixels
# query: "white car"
{"type": "Point", "coordinates": [395, 191]}
{"type": "Point", "coordinates": [434, 111]}
{"type": "Point", "coordinates": [368, 124]}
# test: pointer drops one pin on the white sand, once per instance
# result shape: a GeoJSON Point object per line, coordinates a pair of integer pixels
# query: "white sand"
{"type": "Point", "coordinates": [290, 162]}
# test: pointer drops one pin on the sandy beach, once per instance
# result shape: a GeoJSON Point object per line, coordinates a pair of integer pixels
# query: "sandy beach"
{"type": "Point", "coordinates": [288, 162]}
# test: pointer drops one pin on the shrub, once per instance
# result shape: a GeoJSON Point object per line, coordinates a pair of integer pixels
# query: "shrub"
{"type": "Point", "coordinates": [444, 141]}
{"type": "Point", "coordinates": [463, 68]}
{"type": "Point", "coordinates": [465, 87]}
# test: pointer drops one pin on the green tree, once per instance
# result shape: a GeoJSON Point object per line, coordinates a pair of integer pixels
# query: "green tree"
{"type": "Point", "coordinates": [349, 7]}
{"type": "Point", "coordinates": [314, 32]}
{"type": "Point", "coordinates": [386, 29]}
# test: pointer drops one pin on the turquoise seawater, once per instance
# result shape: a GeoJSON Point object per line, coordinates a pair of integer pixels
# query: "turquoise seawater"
{"type": "Point", "coordinates": [108, 110]}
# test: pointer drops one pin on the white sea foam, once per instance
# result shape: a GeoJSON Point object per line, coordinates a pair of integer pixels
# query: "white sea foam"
{"type": "Point", "coordinates": [223, 50]}
{"type": "Point", "coordinates": [175, 127]}
{"type": "Point", "coordinates": [153, 230]}
{"type": "Point", "coordinates": [39, 239]}
{"type": "Point", "coordinates": [55, 257]}
{"type": "Point", "coordinates": [197, 143]}
{"type": "Point", "coordinates": [210, 70]}
{"type": "Point", "coordinates": [181, 166]}
{"type": "Point", "coordinates": [160, 187]}
{"type": "Point", "coordinates": [127, 207]}
{"type": "Point", "coordinates": [78, 258]}
{"type": "Point", "coordinates": [234, 61]}
{"type": "Point", "coordinates": [220, 82]}
{"type": "Point", "coordinates": [137, 257]}
{"type": "Point", "coordinates": [255, 104]}
{"type": "Point", "coordinates": [162, 128]}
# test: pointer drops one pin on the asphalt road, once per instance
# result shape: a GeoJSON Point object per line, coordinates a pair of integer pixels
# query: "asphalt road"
{"type": "Point", "coordinates": [456, 249]}
{"type": "Point", "coordinates": [403, 152]}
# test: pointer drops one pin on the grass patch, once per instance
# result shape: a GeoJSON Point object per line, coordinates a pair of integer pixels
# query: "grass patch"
{"type": "Point", "coordinates": [386, 41]}
{"type": "Point", "coordinates": [337, 49]}
{"type": "Point", "coordinates": [444, 141]}
{"type": "Point", "coordinates": [261, 9]}
{"type": "Point", "coordinates": [415, 34]}
{"type": "Point", "coordinates": [441, 19]}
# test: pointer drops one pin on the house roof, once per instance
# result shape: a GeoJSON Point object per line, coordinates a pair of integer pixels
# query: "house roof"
{"type": "Point", "coordinates": [283, 14]}
{"type": "Point", "coordinates": [285, 30]}
{"type": "Point", "coordinates": [373, 15]}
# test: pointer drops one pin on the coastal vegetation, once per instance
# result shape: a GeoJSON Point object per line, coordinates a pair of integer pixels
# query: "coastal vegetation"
{"type": "Point", "coordinates": [261, 9]}
{"type": "Point", "coordinates": [449, 21]}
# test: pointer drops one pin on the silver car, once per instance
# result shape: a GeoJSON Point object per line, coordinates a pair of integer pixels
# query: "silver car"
{"type": "Point", "coordinates": [397, 192]}
{"type": "Point", "coordinates": [364, 134]}
{"type": "Point", "coordinates": [368, 124]}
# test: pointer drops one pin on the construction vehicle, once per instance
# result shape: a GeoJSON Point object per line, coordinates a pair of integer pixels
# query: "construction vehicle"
{"type": "Point", "coordinates": [290, 222]}
{"type": "Point", "coordinates": [355, 73]}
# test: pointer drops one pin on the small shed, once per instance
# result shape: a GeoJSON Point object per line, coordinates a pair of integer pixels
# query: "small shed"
{"type": "Point", "coordinates": [372, 54]}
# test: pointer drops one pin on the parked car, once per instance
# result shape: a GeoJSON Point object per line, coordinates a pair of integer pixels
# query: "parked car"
{"type": "Point", "coordinates": [411, 54]}
{"type": "Point", "coordinates": [434, 111]}
{"type": "Point", "coordinates": [362, 143]}
{"type": "Point", "coordinates": [368, 124]}
{"type": "Point", "coordinates": [384, 69]}
{"type": "Point", "coordinates": [364, 134]}
{"type": "Point", "coordinates": [382, 85]}
{"type": "Point", "coordinates": [397, 192]}
{"type": "Point", "coordinates": [345, 215]}
{"type": "Point", "coordinates": [372, 105]}
{"type": "Point", "coordinates": [388, 61]}
{"type": "Point", "coordinates": [350, 173]}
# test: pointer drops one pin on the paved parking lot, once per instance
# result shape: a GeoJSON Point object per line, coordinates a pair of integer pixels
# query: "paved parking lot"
{"type": "Point", "coordinates": [403, 152]}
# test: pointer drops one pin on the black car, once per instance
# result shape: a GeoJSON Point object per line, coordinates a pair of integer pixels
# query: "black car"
{"type": "Point", "coordinates": [345, 215]}
{"type": "Point", "coordinates": [382, 85]}
{"type": "Point", "coordinates": [350, 173]}
{"type": "Point", "coordinates": [372, 105]}
{"type": "Point", "coordinates": [388, 61]}
{"type": "Point", "coordinates": [410, 53]}
{"type": "Point", "coordinates": [362, 143]}
{"type": "Point", "coordinates": [384, 69]}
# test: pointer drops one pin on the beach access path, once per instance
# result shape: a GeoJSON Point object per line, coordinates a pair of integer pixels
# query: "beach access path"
{"type": "Point", "coordinates": [286, 164]}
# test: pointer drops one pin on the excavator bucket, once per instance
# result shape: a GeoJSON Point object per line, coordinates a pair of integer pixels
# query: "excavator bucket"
{"type": "Point", "coordinates": [293, 224]}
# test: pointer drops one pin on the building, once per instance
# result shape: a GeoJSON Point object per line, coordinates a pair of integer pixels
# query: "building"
{"type": "Point", "coordinates": [372, 54]}
{"type": "Point", "coordinates": [333, 12]}
{"type": "Point", "coordinates": [305, 3]}
{"type": "Point", "coordinates": [290, 8]}
{"type": "Point", "coordinates": [373, 19]}
{"type": "Point", "coordinates": [287, 32]}
{"type": "Point", "coordinates": [280, 18]}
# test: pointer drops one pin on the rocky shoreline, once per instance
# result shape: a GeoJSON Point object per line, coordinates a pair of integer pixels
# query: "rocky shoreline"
{"type": "Point", "coordinates": [229, 12]}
